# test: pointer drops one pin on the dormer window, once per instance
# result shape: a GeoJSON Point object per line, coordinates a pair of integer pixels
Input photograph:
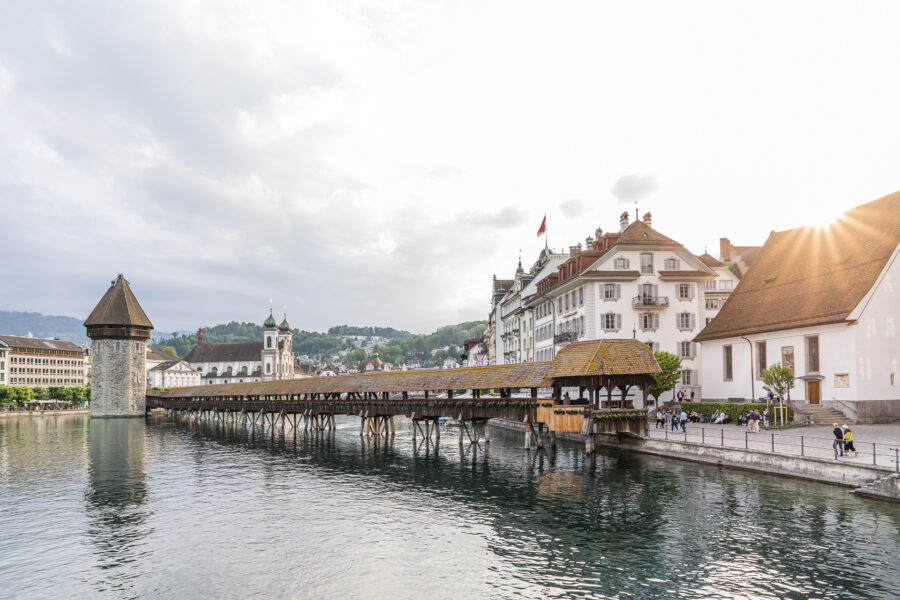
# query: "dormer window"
{"type": "Point", "coordinates": [621, 263]}
{"type": "Point", "coordinates": [673, 264]}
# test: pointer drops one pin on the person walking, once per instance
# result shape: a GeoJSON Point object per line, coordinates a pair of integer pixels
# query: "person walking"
{"type": "Point", "coordinates": [766, 416]}
{"type": "Point", "coordinates": [692, 394]}
{"type": "Point", "coordinates": [848, 441]}
{"type": "Point", "coordinates": [660, 419]}
{"type": "Point", "coordinates": [673, 420]}
{"type": "Point", "coordinates": [683, 419]}
{"type": "Point", "coordinates": [838, 444]}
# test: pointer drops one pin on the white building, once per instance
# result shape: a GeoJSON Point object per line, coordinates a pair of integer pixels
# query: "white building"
{"type": "Point", "coordinates": [511, 313]}
{"type": "Point", "coordinates": [824, 301]}
{"type": "Point", "coordinates": [716, 291]}
{"type": "Point", "coordinates": [172, 373]}
{"type": "Point", "coordinates": [4, 361]}
{"type": "Point", "coordinates": [241, 362]}
{"type": "Point", "coordinates": [495, 324]}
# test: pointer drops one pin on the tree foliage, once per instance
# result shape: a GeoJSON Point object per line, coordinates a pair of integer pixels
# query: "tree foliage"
{"type": "Point", "coordinates": [778, 380]}
{"type": "Point", "coordinates": [19, 395]}
{"type": "Point", "coordinates": [671, 373]}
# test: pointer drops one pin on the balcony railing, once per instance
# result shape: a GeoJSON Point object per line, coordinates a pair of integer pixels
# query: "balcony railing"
{"type": "Point", "coordinates": [564, 337]}
{"type": "Point", "coordinates": [650, 301]}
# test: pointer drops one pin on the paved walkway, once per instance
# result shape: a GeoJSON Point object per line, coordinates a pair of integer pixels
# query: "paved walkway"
{"type": "Point", "coordinates": [874, 443]}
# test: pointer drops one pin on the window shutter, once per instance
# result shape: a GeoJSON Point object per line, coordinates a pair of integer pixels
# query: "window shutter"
{"type": "Point", "coordinates": [655, 321]}
{"type": "Point", "coordinates": [690, 291]}
{"type": "Point", "coordinates": [618, 321]}
{"type": "Point", "coordinates": [618, 291]}
{"type": "Point", "coordinates": [693, 350]}
{"type": "Point", "coordinates": [693, 320]}
{"type": "Point", "coordinates": [655, 290]}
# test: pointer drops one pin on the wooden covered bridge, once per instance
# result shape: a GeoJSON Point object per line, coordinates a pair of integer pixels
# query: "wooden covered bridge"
{"type": "Point", "coordinates": [603, 371]}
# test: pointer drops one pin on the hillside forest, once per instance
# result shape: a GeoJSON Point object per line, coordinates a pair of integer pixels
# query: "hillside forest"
{"type": "Point", "coordinates": [396, 347]}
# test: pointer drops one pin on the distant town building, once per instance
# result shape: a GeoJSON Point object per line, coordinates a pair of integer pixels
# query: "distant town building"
{"type": "Point", "coordinates": [172, 373]}
{"type": "Point", "coordinates": [495, 325]}
{"type": "Point", "coordinates": [119, 330]}
{"type": "Point", "coordinates": [824, 302]}
{"type": "Point", "coordinates": [4, 361]}
{"type": "Point", "coordinates": [368, 366]}
{"type": "Point", "coordinates": [37, 362]}
{"type": "Point", "coordinates": [240, 362]}
{"type": "Point", "coordinates": [738, 258]}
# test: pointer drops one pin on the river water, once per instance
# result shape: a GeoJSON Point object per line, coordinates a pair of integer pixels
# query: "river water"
{"type": "Point", "coordinates": [124, 508]}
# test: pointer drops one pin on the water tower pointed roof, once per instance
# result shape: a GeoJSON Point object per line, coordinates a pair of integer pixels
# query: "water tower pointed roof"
{"type": "Point", "coordinates": [118, 306]}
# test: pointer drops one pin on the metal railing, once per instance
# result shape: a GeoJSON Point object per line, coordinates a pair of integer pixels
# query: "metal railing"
{"type": "Point", "coordinates": [642, 301]}
{"type": "Point", "coordinates": [808, 446]}
{"type": "Point", "coordinates": [565, 336]}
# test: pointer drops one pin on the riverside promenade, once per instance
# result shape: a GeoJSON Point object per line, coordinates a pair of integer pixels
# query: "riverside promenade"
{"type": "Point", "coordinates": [876, 445]}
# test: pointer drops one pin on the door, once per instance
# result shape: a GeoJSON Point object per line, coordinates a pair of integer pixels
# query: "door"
{"type": "Point", "coordinates": [813, 392]}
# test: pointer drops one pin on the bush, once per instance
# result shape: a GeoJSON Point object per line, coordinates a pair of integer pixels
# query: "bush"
{"type": "Point", "coordinates": [732, 410]}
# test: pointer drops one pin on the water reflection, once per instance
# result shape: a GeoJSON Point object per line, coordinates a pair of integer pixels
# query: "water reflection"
{"type": "Point", "coordinates": [116, 496]}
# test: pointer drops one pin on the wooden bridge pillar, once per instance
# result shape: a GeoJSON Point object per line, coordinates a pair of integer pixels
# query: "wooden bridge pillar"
{"type": "Point", "coordinates": [528, 433]}
{"type": "Point", "coordinates": [487, 431]}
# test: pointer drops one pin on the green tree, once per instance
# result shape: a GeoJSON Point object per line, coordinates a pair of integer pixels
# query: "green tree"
{"type": "Point", "coordinates": [778, 379]}
{"type": "Point", "coordinates": [170, 350]}
{"type": "Point", "coordinates": [41, 393]}
{"type": "Point", "coordinates": [6, 395]}
{"type": "Point", "coordinates": [671, 372]}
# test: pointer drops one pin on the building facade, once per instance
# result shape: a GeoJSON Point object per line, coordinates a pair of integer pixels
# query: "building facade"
{"type": "Point", "coordinates": [241, 362]}
{"type": "Point", "coordinates": [172, 374]}
{"type": "Point", "coordinates": [36, 362]}
{"type": "Point", "coordinates": [824, 302]}
{"type": "Point", "coordinates": [716, 291]}
{"type": "Point", "coordinates": [119, 330]}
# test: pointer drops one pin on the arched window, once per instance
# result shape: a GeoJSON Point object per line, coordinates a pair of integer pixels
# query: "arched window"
{"type": "Point", "coordinates": [268, 342]}
{"type": "Point", "coordinates": [268, 367]}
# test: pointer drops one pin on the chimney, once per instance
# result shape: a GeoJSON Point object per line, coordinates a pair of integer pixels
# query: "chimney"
{"type": "Point", "coordinates": [588, 241]}
{"type": "Point", "coordinates": [199, 336]}
{"type": "Point", "coordinates": [598, 234]}
{"type": "Point", "coordinates": [573, 250]}
{"type": "Point", "coordinates": [648, 219]}
{"type": "Point", "coordinates": [623, 221]}
{"type": "Point", "coordinates": [725, 250]}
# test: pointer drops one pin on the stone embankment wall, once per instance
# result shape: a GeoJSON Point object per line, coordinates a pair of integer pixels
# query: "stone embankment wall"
{"type": "Point", "coordinates": [814, 469]}
{"type": "Point", "coordinates": [118, 378]}
{"type": "Point", "coordinates": [12, 414]}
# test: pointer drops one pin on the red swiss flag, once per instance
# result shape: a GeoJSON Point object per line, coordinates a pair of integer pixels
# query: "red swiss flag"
{"type": "Point", "coordinates": [543, 227]}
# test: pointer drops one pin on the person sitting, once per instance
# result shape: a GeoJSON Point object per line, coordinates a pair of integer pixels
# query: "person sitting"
{"type": "Point", "coordinates": [701, 418]}
{"type": "Point", "coordinates": [721, 418]}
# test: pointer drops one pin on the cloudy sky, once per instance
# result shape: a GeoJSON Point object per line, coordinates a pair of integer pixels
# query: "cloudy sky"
{"type": "Point", "coordinates": [376, 162]}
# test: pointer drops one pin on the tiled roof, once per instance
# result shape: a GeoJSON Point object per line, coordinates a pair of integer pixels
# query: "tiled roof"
{"type": "Point", "coordinates": [239, 351]}
{"type": "Point", "coordinates": [685, 274]}
{"type": "Point", "coordinates": [155, 355]}
{"type": "Point", "coordinates": [812, 276]}
{"type": "Point", "coordinates": [606, 357]}
{"type": "Point", "coordinates": [118, 306]}
{"type": "Point", "coordinates": [15, 341]}
{"type": "Point", "coordinates": [641, 233]}
{"type": "Point", "coordinates": [710, 261]}
{"type": "Point", "coordinates": [598, 357]}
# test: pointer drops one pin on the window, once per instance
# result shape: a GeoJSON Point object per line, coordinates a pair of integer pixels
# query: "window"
{"type": "Point", "coordinates": [687, 377]}
{"type": "Point", "coordinates": [268, 368]}
{"type": "Point", "coordinates": [567, 302]}
{"type": "Point", "coordinates": [621, 263]}
{"type": "Point", "coordinates": [685, 321]}
{"type": "Point", "coordinates": [646, 262]}
{"type": "Point", "coordinates": [581, 325]}
{"type": "Point", "coordinates": [708, 320]}
{"type": "Point", "coordinates": [684, 291]}
{"type": "Point", "coordinates": [611, 291]}
{"type": "Point", "coordinates": [268, 342]}
{"type": "Point", "coordinates": [712, 304]}
{"type": "Point", "coordinates": [710, 285]}
{"type": "Point", "coordinates": [654, 346]}
{"type": "Point", "coordinates": [559, 303]}
{"type": "Point", "coordinates": [612, 322]}
{"type": "Point", "coordinates": [812, 354]}
{"type": "Point", "coordinates": [686, 349]}
{"type": "Point", "coordinates": [581, 296]}
{"type": "Point", "coordinates": [673, 264]}
{"type": "Point", "coordinates": [760, 359]}
{"type": "Point", "coordinates": [726, 284]}
{"type": "Point", "coordinates": [649, 321]}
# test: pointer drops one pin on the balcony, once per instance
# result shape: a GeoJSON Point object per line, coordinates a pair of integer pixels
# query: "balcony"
{"type": "Point", "coordinates": [565, 337]}
{"type": "Point", "coordinates": [650, 301]}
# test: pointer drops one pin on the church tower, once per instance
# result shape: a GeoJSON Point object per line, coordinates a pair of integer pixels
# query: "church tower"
{"type": "Point", "coordinates": [285, 352]}
{"type": "Point", "coordinates": [270, 348]}
{"type": "Point", "coordinates": [119, 331]}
